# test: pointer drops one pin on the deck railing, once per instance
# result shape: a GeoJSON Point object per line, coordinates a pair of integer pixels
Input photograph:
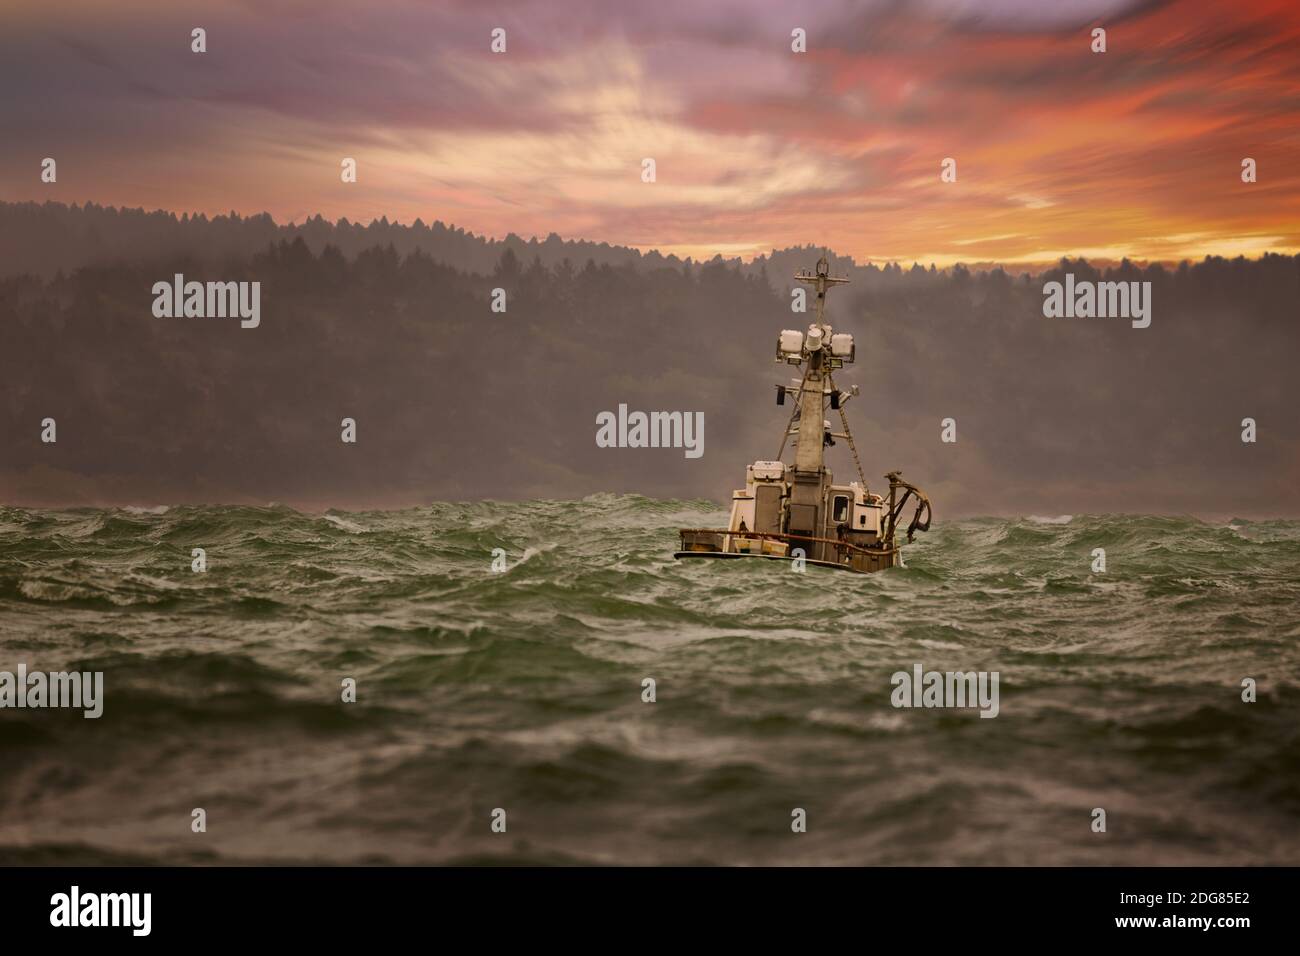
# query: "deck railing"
{"type": "Point", "coordinates": [772, 536]}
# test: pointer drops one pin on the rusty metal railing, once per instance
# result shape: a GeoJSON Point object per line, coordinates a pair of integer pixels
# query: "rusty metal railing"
{"type": "Point", "coordinates": [773, 536]}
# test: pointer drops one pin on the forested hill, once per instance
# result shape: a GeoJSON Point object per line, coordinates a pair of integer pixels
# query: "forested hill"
{"type": "Point", "coordinates": [454, 400]}
{"type": "Point", "coordinates": [42, 238]}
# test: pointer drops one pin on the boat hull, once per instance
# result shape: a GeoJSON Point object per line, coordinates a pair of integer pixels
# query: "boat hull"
{"type": "Point", "coordinates": [768, 557]}
{"type": "Point", "coordinates": [720, 543]}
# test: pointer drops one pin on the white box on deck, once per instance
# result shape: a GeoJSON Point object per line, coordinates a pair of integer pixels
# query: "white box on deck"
{"type": "Point", "coordinates": [867, 518]}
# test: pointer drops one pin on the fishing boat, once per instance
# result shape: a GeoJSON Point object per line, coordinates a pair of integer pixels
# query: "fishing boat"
{"type": "Point", "coordinates": [795, 511]}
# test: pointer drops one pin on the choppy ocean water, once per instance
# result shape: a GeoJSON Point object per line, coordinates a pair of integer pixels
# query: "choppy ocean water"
{"type": "Point", "coordinates": [522, 690]}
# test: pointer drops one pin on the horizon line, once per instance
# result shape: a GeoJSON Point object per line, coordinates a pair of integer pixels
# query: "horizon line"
{"type": "Point", "coordinates": [937, 263]}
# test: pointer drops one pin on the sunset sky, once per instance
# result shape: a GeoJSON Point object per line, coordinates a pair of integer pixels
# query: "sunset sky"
{"type": "Point", "coordinates": [1060, 151]}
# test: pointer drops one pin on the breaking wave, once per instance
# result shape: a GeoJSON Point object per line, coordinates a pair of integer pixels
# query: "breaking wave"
{"type": "Point", "coordinates": [478, 689]}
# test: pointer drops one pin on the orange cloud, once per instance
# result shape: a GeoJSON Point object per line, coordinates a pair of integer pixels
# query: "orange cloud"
{"type": "Point", "coordinates": [1060, 151]}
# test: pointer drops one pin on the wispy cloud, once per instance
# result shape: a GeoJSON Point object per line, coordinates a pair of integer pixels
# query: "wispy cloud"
{"type": "Point", "coordinates": [1060, 151]}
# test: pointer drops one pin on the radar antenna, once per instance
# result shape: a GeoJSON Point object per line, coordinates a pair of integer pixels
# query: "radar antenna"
{"type": "Point", "coordinates": [821, 281]}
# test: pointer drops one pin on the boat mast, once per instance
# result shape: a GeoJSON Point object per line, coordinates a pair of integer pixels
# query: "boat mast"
{"type": "Point", "coordinates": [810, 452]}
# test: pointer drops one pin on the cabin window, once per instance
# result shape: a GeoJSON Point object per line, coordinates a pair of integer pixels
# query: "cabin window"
{"type": "Point", "coordinates": [840, 510]}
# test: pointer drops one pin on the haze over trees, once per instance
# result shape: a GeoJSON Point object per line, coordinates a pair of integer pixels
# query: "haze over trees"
{"type": "Point", "coordinates": [392, 326]}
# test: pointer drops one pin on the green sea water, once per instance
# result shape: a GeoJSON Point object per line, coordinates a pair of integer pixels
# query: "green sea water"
{"type": "Point", "coordinates": [523, 691]}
